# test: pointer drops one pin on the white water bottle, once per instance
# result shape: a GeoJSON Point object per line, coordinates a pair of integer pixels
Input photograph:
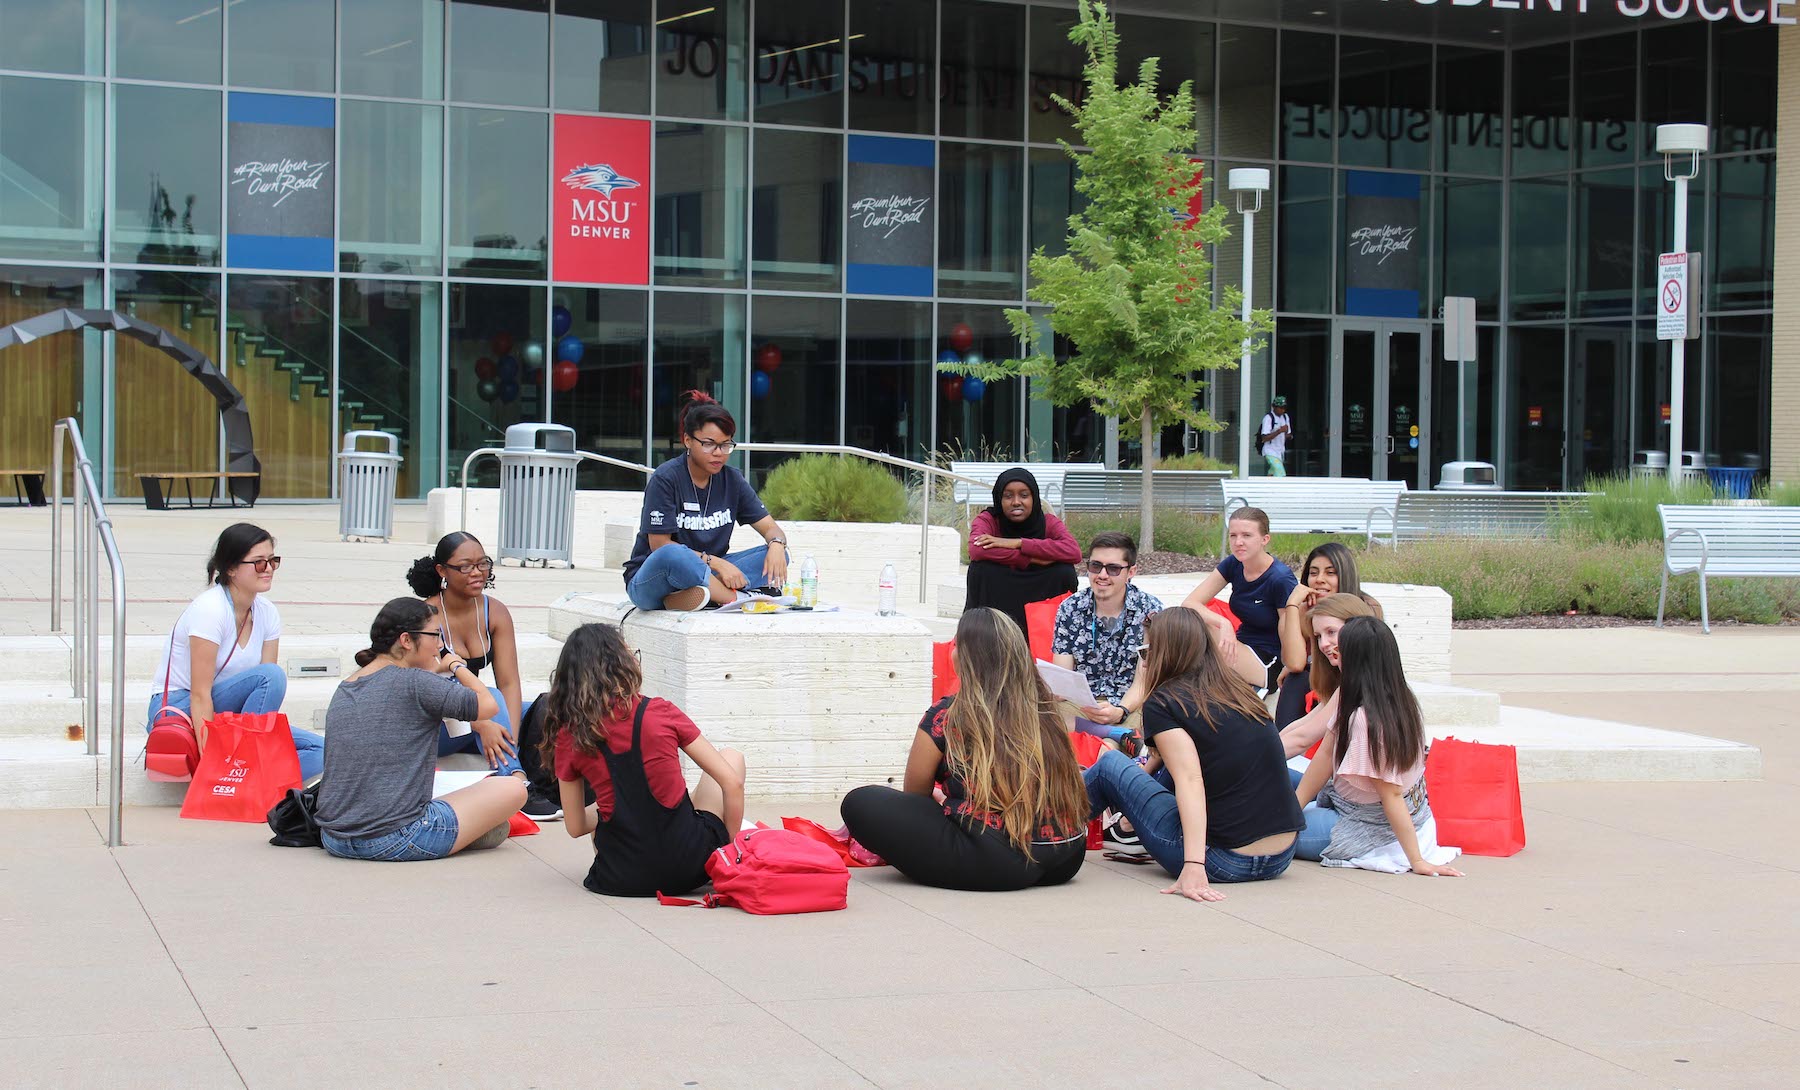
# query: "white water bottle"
{"type": "Point", "coordinates": [809, 583]}
{"type": "Point", "coordinates": [887, 588]}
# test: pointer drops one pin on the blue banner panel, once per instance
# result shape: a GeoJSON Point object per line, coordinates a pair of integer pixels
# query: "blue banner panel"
{"type": "Point", "coordinates": [891, 223]}
{"type": "Point", "coordinates": [283, 182]}
{"type": "Point", "coordinates": [1382, 267]}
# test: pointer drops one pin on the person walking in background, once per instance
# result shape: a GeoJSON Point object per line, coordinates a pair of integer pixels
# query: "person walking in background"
{"type": "Point", "coordinates": [1272, 436]}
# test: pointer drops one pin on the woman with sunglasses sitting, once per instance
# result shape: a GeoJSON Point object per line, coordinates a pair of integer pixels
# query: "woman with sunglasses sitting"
{"type": "Point", "coordinates": [222, 655]}
{"type": "Point", "coordinates": [682, 559]}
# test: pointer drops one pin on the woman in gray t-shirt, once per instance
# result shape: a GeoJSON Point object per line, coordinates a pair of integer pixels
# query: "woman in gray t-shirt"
{"type": "Point", "coordinates": [381, 735]}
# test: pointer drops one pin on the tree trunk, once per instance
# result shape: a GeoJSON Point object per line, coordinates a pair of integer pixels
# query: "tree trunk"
{"type": "Point", "coordinates": [1146, 494]}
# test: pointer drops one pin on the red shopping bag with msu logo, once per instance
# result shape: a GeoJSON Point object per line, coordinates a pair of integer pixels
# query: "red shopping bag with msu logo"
{"type": "Point", "coordinates": [248, 765]}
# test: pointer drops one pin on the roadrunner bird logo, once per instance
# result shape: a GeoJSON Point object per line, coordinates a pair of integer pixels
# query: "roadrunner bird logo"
{"type": "Point", "coordinates": [599, 177]}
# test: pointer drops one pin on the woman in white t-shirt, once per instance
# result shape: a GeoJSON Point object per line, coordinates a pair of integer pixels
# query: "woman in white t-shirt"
{"type": "Point", "coordinates": [222, 654]}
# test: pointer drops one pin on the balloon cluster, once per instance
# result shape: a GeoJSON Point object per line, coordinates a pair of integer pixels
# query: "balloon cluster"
{"type": "Point", "coordinates": [569, 350]}
{"type": "Point", "coordinates": [499, 377]}
{"type": "Point", "coordinates": [962, 351]}
{"type": "Point", "coordinates": [766, 359]}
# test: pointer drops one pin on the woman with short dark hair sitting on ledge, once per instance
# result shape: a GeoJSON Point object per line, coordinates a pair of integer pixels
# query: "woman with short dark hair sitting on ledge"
{"type": "Point", "coordinates": [1019, 553]}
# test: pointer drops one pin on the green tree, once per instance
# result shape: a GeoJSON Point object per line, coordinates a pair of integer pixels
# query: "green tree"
{"type": "Point", "coordinates": [1131, 293]}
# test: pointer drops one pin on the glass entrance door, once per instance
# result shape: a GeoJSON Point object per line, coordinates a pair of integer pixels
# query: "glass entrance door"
{"type": "Point", "coordinates": [1380, 402]}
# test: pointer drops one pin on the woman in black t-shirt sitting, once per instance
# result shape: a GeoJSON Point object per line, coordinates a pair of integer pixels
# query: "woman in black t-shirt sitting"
{"type": "Point", "coordinates": [1012, 813]}
{"type": "Point", "coordinates": [1221, 810]}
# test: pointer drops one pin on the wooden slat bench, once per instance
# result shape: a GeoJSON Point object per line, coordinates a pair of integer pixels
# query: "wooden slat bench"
{"type": "Point", "coordinates": [1314, 505]}
{"type": "Point", "coordinates": [1049, 478]}
{"type": "Point", "coordinates": [1111, 489]}
{"type": "Point", "coordinates": [28, 485]}
{"type": "Point", "coordinates": [1723, 539]}
{"type": "Point", "coordinates": [1418, 516]}
{"type": "Point", "coordinates": [156, 496]}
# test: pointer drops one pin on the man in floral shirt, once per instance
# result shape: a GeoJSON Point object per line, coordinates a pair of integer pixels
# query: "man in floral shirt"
{"type": "Point", "coordinates": [1099, 630]}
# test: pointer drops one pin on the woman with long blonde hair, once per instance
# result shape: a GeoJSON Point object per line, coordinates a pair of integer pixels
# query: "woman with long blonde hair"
{"type": "Point", "coordinates": [1325, 621]}
{"type": "Point", "coordinates": [1013, 813]}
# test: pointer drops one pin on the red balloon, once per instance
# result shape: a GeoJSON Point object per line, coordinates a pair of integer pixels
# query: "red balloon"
{"type": "Point", "coordinates": [768, 358]}
{"type": "Point", "coordinates": [502, 343]}
{"type": "Point", "coordinates": [961, 337]}
{"type": "Point", "coordinates": [565, 376]}
{"type": "Point", "coordinates": [485, 368]}
{"type": "Point", "coordinates": [953, 388]}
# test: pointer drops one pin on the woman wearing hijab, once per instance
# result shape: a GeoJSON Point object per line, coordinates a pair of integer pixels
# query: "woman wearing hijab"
{"type": "Point", "coordinates": [1017, 552]}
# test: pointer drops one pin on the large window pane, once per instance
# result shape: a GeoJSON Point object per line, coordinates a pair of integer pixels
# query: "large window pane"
{"type": "Point", "coordinates": [1469, 236]}
{"type": "Point", "coordinates": [983, 94]}
{"type": "Point", "coordinates": [1228, 255]}
{"type": "Point", "coordinates": [1184, 50]}
{"type": "Point", "coordinates": [1744, 71]}
{"type": "Point", "coordinates": [394, 47]}
{"type": "Point", "coordinates": [49, 378]}
{"type": "Point", "coordinates": [163, 418]}
{"type": "Point", "coordinates": [1540, 94]}
{"type": "Point", "coordinates": [1471, 109]}
{"type": "Point", "coordinates": [1737, 390]}
{"type": "Point", "coordinates": [701, 68]}
{"type": "Point", "coordinates": [793, 360]}
{"type": "Point", "coordinates": [166, 176]}
{"type": "Point", "coordinates": [1246, 92]}
{"type": "Point", "coordinates": [1604, 234]}
{"type": "Point", "coordinates": [390, 372]}
{"type": "Point", "coordinates": [888, 381]}
{"type": "Point", "coordinates": [1305, 233]}
{"type": "Point", "coordinates": [1606, 100]}
{"type": "Point", "coordinates": [1651, 415]}
{"type": "Point", "coordinates": [1384, 103]}
{"type": "Point", "coordinates": [698, 344]}
{"type": "Point", "coordinates": [499, 164]}
{"type": "Point", "coordinates": [977, 422]}
{"type": "Point", "coordinates": [800, 62]}
{"type": "Point", "coordinates": [503, 325]}
{"type": "Point", "coordinates": [1599, 434]}
{"type": "Point", "coordinates": [1673, 79]}
{"type": "Point", "coordinates": [390, 212]}
{"type": "Point", "coordinates": [981, 230]}
{"type": "Point", "coordinates": [603, 55]}
{"type": "Point", "coordinates": [1306, 86]}
{"type": "Point", "coordinates": [606, 402]}
{"type": "Point", "coordinates": [892, 64]}
{"type": "Point", "coordinates": [1303, 362]}
{"type": "Point", "coordinates": [1540, 249]}
{"type": "Point", "coordinates": [60, 37]}
{"type": "Point", "coordinates": [283, 44]}
{"type": "Point", "coordinates": [1053, 199]}
{"type": "Point", "coordinates": [50, 138]}
{"type": "Point", "coordinates": [700, 214]}
{"type": "Point", "coordinates": [175, 40]}
{"type": "Point", "coordinates": [278, 339]}
{"type": "Point", "coordinates": [1743, 256]}
{"type": "Point", "coordinates": [1056, 70]}
{"type": "Point", "coordinates": [500, 51]}
{"type": "Point", "coordinates": [797, 210]}
{"type": "Point", "coordinates": [1477, 415]}
{"type": "Point", "coordinates": [1534, 401]}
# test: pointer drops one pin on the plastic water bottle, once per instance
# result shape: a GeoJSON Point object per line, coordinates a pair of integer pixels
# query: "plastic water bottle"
{"type": "Point", "coordinates": [887, 590]}
{"type": "Point", "coordinates": [809, 583]}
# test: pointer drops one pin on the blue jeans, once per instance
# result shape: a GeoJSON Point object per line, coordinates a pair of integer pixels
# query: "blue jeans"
{"type": "Point", "coordinates": [471, 742]}
{"type": "Point", "coordinates": [433, 836]}
{"type": "Point", "coordinates": [1117, 781]}
{"type": "Point", "coordinates": [255, 691]}
{"type": "Point", "coordinates": [1320, 820]}
{"type": "Point", "coordinates": [676, 567]}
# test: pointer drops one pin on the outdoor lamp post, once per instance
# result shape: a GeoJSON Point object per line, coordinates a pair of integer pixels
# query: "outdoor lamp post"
{"type": "Point", "coordinates": [1249, 184]}
{"type": "Point", "coordinates": [1679, 144]}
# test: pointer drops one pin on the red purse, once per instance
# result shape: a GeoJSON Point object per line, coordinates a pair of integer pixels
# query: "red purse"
{"type": "Point", "coordinates": [1474, 790]}
{"type": "Point", "coordinates": [173, 751]}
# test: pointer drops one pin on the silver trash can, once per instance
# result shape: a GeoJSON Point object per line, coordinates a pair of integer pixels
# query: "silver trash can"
{"type": "Point", "coordinates": [366, 482]}
{"type": "Point", "coordinates": [537, 493]}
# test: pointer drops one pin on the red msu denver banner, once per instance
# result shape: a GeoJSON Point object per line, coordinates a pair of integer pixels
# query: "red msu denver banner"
{"type": "Point", "coordinates": [601, 209]}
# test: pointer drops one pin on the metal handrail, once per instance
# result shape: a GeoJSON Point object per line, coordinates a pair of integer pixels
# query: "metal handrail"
{"type": "Point", "coordinates": [85, 660]}
{"type": "Point", "coordinates": [587, 455]}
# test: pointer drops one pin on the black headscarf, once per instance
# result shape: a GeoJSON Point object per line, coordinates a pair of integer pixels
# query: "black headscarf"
{"type": "Point", "coordinates": [1033, 526]}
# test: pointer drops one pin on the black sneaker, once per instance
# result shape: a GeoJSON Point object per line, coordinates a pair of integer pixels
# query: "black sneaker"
{"type": "Point", "coordinates": [540, 808]}
{"type": "Point", "coordinates": [1124, 840]}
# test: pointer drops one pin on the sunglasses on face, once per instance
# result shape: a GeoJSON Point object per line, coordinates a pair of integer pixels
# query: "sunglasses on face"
{"type": "Point", "coordinates": [484, 565]}
{"type": "Point", "coordinates": [265, 564]}
{"type": "Point", "coordinates": [1115, 570]}
{"type": "Point", "coordinates": [708, 446]}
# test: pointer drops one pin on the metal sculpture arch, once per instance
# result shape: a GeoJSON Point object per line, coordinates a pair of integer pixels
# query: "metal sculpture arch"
{"type": "Point", "coordinates": [240, 448]}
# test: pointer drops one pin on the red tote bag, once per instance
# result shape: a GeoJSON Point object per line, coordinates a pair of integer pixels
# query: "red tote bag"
{"type": "Point", "coordinates": [1474, 791]}
{"type": "Point", "coordinates": [944, 681]}
{"type": "Point", "coordinates": [1040, 625]}
{"type": "Point", "coordinates": [249, 765]}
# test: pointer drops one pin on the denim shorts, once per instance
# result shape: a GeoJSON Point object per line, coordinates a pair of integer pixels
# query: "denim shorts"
{"type": "Point", "coordinates": [430, 837]}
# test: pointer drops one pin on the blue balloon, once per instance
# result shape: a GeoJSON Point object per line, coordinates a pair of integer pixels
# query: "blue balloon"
{"type": "Point", "coordinates": [560, 320]}
{"type": "Point", "coordinates": [760, 384]}
{"type": "Point", "coordinates": [509, 390]}
{"type": "Point", "coordinates": [973, 388]}
{"type": "Point", "coordinates": [947, 356]}
{"type": "Point", "coordinates": [509, 368]}
{"type": "Point", "coordinates": [570, 348]}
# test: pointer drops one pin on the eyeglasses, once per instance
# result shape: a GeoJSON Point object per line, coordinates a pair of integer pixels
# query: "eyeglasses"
{"type": "Point", "coordinates": [264, 564]}
{"type": "Point", "coordinates": [708, 446]}
{"type": "Point", "coordinates": [425, 632]}
{"type": "Point", "coordinates": [1114, 570]}
{"type": "Point", "coordinates": [484, 565]}
{"type": "Point", "coordinates": [1143, 652]}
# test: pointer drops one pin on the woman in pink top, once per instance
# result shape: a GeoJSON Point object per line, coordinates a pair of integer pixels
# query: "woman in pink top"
{"type": "Point", "coordinates": [1018, 553]}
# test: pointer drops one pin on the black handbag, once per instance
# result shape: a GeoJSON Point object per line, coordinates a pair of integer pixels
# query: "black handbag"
{"type": "Point", "coordinates": [292, 819]}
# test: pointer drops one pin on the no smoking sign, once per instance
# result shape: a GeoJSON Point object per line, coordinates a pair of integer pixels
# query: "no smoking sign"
{"type": "Point", "coordinates": [1672, 311]}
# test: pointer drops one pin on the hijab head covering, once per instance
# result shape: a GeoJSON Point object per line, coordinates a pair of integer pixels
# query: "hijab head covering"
{"type": "Point", "coordinates": [1033, 526]}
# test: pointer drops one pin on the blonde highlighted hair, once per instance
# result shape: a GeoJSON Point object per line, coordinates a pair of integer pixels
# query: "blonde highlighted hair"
{"type": "Point", "coordinates": [1342, 606]}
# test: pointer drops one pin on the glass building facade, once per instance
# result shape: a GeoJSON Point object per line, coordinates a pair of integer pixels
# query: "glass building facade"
{"type": "Point", "coordinates": [409, 269]}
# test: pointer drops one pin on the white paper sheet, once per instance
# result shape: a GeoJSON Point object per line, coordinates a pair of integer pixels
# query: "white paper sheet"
{"type": "Point", "coordinates": [445, 782]}
{"type": "Point", "coordinates": [1067, 684]}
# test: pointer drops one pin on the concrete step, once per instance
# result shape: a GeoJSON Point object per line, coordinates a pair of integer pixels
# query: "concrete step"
{"type": "Point", "coordinates": [1452, 706]}
{"type": "Point", "coordinates": [1556, 748]}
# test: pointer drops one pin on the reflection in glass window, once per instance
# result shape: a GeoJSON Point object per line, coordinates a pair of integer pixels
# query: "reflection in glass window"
{"type": "Point", "coordinates": [793, 378]}
{"type": "Point", "coordinates": [1471, 109]}
{"type": "Point", "coordinates": [1540, 90]}
{"type": "Point", "coordinates": [605, 393]}
{"type": "Point", "coordinates": [1056, 70]}
{"type": "Point", "coordinates": [391, 162]}
{"type": "Point", "coordinates": [1744, 70]}
{"type": "Point", "coordinates": [1606, 100]}
{"type": "Point", "coordinates": [603, 55]}
{"type": "Point", "coordinates": [47, 378]}
{"type": "Point", "coordinates": [50, 195]}
{"type": "Point", "coordinates": [981, 227]}
{"type": "Point", "coordinates": [278, 339]}
{"type": "Point", "coordinates": [979, 421]}
{"type": "Point", "coordinates": [1653, 391]}
{"type": "Point", "coordinates": [700, 59]}
{"type": "Point", "coordinates": [1743, 252]}
{"type": "Point", "coordinates": [698, 344]}
{"type": "Point", "coordinates": [1674, 79]}
{"type": "Point", "coordinates": [1599, 436]}
{"type": "Point", "coordinates": [1053, 200]}
{"type": "Point", "coordinates": [1656, 224]}
{"type": "Point", "coordinates": [888, 381]}
{"type": "Point", "coordinates": [1604, 236]}
{"type": "Point", "coordinates": [797, 210]}
{"type": "Point", "coordinates": [983, 94]}
{"type": "Point", "coordinates": [390, 371]}
{"type": "Point", "coordinates": [799, 67]}
{"type": "Point", "coordinates": [1184, 49]}
{"type": "Point", "coordinates": [163, 418]}
{"type": "Point", "coordinates": [166, 175]}
{"type": "Point", "coordinates": [1305, 235]}
{"type": "Point", "coordinates": [499, 162]}
{"type": "Point", "coordinates": [394, 47]}
{"type": "Point", "coordinates": [1303, 364]}
{"type": "Point", "coordinates": [286, 46]}
{"type": "Point", "coordinates": [1469, 237]}
{"type": "Point", "coordinates": [1477, 415]}
{"type": "Point", "coordinates": [1534, 399]}
{"type": "Point", "coordinates": [892, 61]}
{"type": "Point", "coordinates": [1738, 373]}
{"type": "Point", "coordinates": [504, 325]}
{"type": "Point", "coordinates": [700, 213]}
{"type": "Point", "coordinates": [1246, 91]}
{"type": "Point", "coordinates": [1540, 249]}
{"type": "Point", "coordinates": [61, 37]}
{"type": "Point", "coordinates": [1384, 103]}
{"type": "Point", "coordinates": [500, 51]}
{"type": "Point", "coordinates": [174, 40]}
{"type": "Point", "coordinates": [1306, 96]}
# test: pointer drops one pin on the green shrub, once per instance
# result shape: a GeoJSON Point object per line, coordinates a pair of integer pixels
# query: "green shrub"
{"type": "Point", "coordinates": [833, 488]}
{"type": "Point", "coordinates": [1780, 494]}
{"type": "Point", "coordinates": [1194, 460]}
{"type": "Point", "coordinates": [1623, 509]}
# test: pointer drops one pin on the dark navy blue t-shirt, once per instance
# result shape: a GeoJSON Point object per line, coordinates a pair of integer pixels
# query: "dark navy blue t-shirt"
{"type": "Point", "coordinates": [1258, 604]}
{"type": "Point", "coordinates": [699, 518]}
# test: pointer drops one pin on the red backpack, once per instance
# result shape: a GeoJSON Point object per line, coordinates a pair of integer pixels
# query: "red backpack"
{"type": "Point", "coordinates": [771, 872]}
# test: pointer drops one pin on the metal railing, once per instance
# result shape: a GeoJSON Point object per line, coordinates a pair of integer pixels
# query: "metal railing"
{"type": "Point", "coordinates": [587, 455]}
{"type": "Point", "coordinates": [93, 527]}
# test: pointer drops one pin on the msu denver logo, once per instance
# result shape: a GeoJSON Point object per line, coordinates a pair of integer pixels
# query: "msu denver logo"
{"type": "Point", "coordinates": [599, 177]}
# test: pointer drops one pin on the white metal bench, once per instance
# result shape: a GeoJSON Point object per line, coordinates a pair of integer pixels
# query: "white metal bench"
{"type": "Point", "coordinates": [1727, 540]}
{"type": "Point", "coordinates": [1049, 478]}
{"type": "Point", "coordinates": [1418, 516]}
{"type": "Point", "coordinates": [1107, 489]}
{"type": "Point", "coordinates": [1314, 505]}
